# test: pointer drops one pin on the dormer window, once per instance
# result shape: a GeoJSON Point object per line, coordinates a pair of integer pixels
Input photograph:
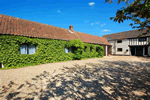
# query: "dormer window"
{"type": "Point", "coordinates": [109, 38]}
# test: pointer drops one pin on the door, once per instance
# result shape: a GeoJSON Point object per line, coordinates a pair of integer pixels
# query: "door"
{"type": "Point", "coordinates": [132, 49]}
{"type": "Point", "coordinates": [146, 50]}
{"type": "Point", "coordinates": [139, 51]}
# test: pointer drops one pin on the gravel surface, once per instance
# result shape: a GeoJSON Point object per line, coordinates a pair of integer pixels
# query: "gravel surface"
{"type": "Point", "coordinates": [109, 78]}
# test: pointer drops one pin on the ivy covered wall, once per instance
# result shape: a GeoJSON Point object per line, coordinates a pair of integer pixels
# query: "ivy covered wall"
{"type": "Point", "coordinates": [48, 51]}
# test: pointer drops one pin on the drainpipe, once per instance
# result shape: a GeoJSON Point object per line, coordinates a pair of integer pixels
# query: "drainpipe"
{"type": "Point", "coordinates": [143, 51]}
{"type": "Point", "coordinates": [106, 50]}
{"type": "Point", "coordinates": [130, 50]}
{"type": "Point", "coordinates": [135, 51]}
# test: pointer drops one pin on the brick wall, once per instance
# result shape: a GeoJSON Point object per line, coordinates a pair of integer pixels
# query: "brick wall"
{"type": "Point", "coordinates": [109, 50]}
{"type": "Point", "coordinates": [104, 50]}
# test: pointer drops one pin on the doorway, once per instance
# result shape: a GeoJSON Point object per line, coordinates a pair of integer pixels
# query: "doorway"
{"type": "Point", "coordinates": [146, 50]}
{"type": "Point", "coordinates": [139, 51]}
{"type": "Point", "coordinates": [132, 49]}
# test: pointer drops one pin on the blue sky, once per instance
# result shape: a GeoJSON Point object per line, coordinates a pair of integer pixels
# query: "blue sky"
{"type": "Point", "coordinates": [87, 16]}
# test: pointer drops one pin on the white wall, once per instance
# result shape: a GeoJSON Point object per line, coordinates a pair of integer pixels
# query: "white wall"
{"type": "Point", "coordinates": [113, 48]}
{"type": "Point", "coordinates": [123, 45]}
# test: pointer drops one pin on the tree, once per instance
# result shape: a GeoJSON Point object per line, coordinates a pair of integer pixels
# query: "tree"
{"type": "Point", "coordinates": [138, 12]}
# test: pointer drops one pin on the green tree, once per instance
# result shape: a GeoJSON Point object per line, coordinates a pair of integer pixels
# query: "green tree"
{"type": "Point", "coordinates": [138, 11]}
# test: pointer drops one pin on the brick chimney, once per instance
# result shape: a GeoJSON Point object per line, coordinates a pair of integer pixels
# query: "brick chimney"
{"type": "Point", "coordinates": [71, 28]}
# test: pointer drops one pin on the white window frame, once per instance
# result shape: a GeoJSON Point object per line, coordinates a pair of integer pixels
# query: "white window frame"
{"type": "Point", "coordinates": [28, 51]}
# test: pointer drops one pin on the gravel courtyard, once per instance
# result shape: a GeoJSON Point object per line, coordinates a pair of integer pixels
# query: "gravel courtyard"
{"type": "Point", "coordinates": [108, 78]}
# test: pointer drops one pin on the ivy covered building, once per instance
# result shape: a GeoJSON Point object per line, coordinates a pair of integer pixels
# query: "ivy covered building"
{"type": "Point", "coordinates": [24, 43]}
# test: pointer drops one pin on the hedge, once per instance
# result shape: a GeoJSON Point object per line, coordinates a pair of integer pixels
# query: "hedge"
{"type": "Point", "coordinates": [48, 51]}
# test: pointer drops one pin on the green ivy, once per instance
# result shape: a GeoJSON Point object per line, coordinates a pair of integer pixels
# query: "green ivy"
{"type": "Point", "coordinates": [48, 51]}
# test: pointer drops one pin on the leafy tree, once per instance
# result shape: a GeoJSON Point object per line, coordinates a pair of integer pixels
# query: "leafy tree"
{"type": "Point", "coordinates": [138, 12]}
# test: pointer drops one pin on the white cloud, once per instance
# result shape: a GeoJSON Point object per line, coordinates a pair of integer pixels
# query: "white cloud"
{"type": "Point", "coordinates": [91, 3]}
{"type": "Point", "coordinates": [103, 24]}
{"type": "Point", "coordinates": [92, 23]}
{"type": "Point", "coordinates": [86, 21]}
{"type": "Point", "coordinates": [59, 11]}
{"type": "Point", "coordinates": [106, 30]}
{"type": "Point", "coordinates": [103, 33]}
{"type": "Point", "coordinates": [96, 22]}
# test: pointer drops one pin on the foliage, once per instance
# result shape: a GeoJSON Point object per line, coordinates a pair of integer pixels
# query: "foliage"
{"type": "Point", "coordinates": [78, 46]}
{"type": "Point", "coordinates": [48, 51]}
{"type": "Point", "coordinates": [138, 12]}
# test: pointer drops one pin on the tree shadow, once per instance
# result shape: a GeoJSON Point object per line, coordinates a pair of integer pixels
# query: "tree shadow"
{"type": "Point", "coordinates": [147, 58]}
{"type": "Point", "coordinates": [106, 80]}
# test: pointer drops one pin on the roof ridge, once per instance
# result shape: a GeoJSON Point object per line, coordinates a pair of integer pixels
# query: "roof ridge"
{"type": "Point", "coordinates": [24, 27]}
{"type": "Point", "coordinates": [48, 25]}
{"type": "Point", "coordinates": [33, 21]}
{"type": "Point", "coordinates": [121, 32]}
{"type": "Point", "coordinates": [88, 34]}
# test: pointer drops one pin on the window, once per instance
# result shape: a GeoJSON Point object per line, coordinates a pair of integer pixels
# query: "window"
{"type": "Point", "coordinates": [119, 49]}
{"type": "Point", "coordinates": [27, 49]}
{"type": "Point", "coordinates": [96, 49]}
{"type": "Point", "coordinates": [142, 39]}
{"type": "Point", "coordinates": [0, 65]}
{"type": "Point", "coordinates": [119, 41]}
{"type": "Point", "coordinates": [109, 38]}
{"type": "Point", "coordinates": [85, 49]}
{"type": "Point", "coordinates": [90, 49]}
{"type": "Point", "coordinates": [23, 49]}
{"type": "Point", "coordinates": [68, 50]}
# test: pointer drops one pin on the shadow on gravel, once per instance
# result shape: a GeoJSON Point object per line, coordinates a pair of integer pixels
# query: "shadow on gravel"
{"type": "Point", "coordinates": [103, 81]}
{"type": "Point", "coordinates": [144, 58]}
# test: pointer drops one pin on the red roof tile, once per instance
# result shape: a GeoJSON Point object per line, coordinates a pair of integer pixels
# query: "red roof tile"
{"type": "Point", "coordinates": [21, 27]}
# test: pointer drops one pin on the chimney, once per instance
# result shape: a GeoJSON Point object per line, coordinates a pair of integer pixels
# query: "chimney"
{"type": "Point", "coordinates": [71, 28]}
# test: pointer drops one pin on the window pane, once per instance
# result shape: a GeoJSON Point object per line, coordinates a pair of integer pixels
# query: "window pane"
{"type": "Point", "coordinates": [119, 41]}
{"type": "Point", "coordinates": [119, 49]}
{"type": "Point", "coordinates": [31, 49]}
{"type": "Point", "coordinates": [70, 50]}
{"type": "Point", "coordinates": [66, 50]}
{"type": "Point", "coordinates": [23, 49]}
{"type": "Point", "coordinates": [142, 39]}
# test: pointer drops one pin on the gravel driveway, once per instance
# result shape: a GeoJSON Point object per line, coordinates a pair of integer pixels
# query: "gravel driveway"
{"type": "Point", "coordinates": [109, 78]}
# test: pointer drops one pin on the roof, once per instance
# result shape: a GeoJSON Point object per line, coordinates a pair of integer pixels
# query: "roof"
{"type": "Point", "coordinates": [20, 27]}
{"type": "Point", "coordinates": [125, 35]}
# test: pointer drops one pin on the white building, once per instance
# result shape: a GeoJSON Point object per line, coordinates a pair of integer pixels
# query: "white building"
{"type": "Point", "coordinates": [128, 43]}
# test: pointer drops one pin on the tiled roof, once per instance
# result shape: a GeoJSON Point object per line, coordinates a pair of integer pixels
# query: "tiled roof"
{"type": "Point", "coordinates": [126, 34]}
{"type": "Point", "coordinates": [16, 26]}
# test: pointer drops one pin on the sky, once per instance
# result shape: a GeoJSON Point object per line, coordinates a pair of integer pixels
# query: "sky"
{"type": "Point", "coordinates": [87, 16]}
